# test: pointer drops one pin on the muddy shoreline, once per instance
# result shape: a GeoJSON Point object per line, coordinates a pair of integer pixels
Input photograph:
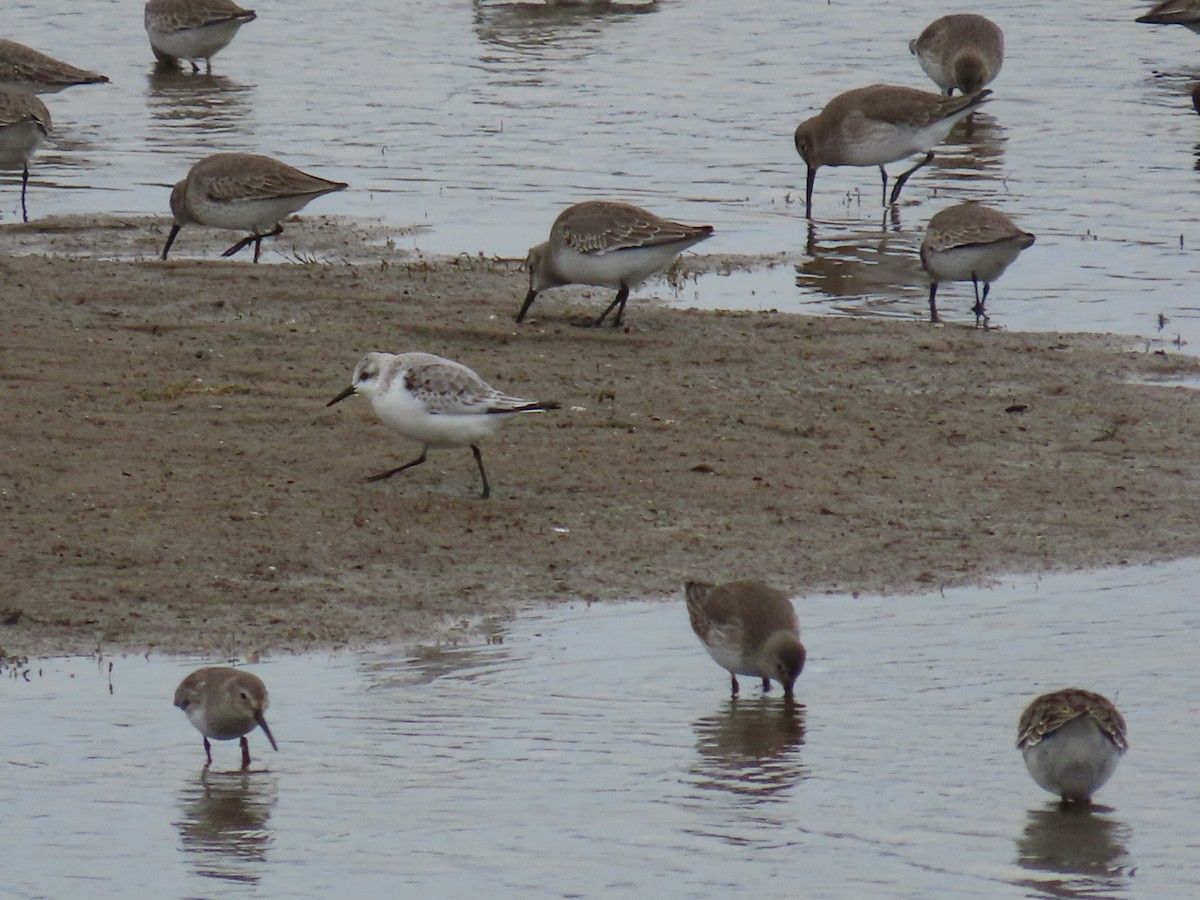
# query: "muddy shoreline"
{"type": "Point", "coordinates": [173, 482]}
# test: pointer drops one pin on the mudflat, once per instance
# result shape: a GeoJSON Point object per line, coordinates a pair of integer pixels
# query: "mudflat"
{"type": "Point", "coordinates": [171, 479]}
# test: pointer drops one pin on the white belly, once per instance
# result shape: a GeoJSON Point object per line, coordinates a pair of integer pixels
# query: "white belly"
{"type": "Point", "coordinates": [259, 216]}
{"type": "Point", "coordinates": [18, 143]}
{"type": "Point", "coordinates": [1075, 761]}
{"type": "Point", "coordinates": [982, 262]}
{"type": "Point", "coordinates": [193, 43]}
{"type": "Point", "coordinates": [614, 267]}
{"type": "Point", "coordinates": [409, 418]}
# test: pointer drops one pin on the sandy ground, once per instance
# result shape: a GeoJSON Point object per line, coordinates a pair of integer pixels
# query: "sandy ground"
{"type": "Point", "coordinates": [172, 480]}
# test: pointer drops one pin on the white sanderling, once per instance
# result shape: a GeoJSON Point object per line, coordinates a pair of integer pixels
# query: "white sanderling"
{"type": "Point", "coordinates": [607, 244]}
{"type": "Point", "coordinates": [244, 192]}
{"type": "Point", "coordinates": [437, 402]}
{"type": "Point", "coordinates": [225, 703]}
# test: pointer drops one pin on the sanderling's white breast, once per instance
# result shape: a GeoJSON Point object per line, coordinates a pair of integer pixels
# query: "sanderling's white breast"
{"type": "Point", "coordinates": [1072, 741]}
{"type": "Point", "coordinates": [970, 242]}
{"type": "Point", "coordinates": [193, 29]}
{"type": "Point", "coordinates": [876, 125]}
{"type": "Point", "coordinates": [748, 628]}
{"type": "Point", "coordinates": [437, 402]}
{"type": "Point", "coordinates": [224, 703]}
{"type": "Point", "coordinates": [607, 244]}
{"type": "Point", "coordinates": [243, 191]}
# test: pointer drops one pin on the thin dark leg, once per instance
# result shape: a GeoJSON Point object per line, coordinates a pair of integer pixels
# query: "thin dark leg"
{"type": "Point", "coordinates": [24, 188]}
{"type": "Point", "coordinates": [487, 488]}
{"type": "Point", "coordinates": [980, 303]}
{"type": "Point", "coordinates": [733, 689]}
{"type": "Point", "coordinates": [766, 685]}
{"type": "Point", "coordinates": [207, 752]}
{"type": "Point", "coordinates": [245, 753]}
{"type": "Point", "coordinates": [208, 66]}
{"type": "Point", "coordinates": [903, 178]}
{"type": "Point", "coordinates": [617, 304]}
{"type": "Point", "coordinates": [883, 175]}
{"type": "Point", "coordinates": [195, 68]}
{"type": "Point", "coordinates": [390, 472]}
{"type": "Point", "coordinates": [255, 239]}
{"type": "Point", "coordinates": [933, 315]}
{"type": "Point", "coordinates": [808, 189]}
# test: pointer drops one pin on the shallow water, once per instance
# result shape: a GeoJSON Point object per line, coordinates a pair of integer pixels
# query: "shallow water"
{"type": "Point", "coordinates": [593, 751]}
{"type": "Point", "coordinates": [481, 120]}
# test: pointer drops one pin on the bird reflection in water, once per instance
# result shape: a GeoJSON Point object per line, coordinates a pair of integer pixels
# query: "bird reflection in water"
{"type": "Point", "coordinates": [224, 824]}
{"type": "Point", "coordinates": [528, 25]}
{"type": "Point", "coordinates": [751, 748]}
{"type": "Point", "coordinates": [974, 148]}
{"type": "Point", "coordinates": [864, 271]}
{"type": "Point", "coordinates": [1077, 851]}
{"type": "Point", "coordinates": [207, 102]}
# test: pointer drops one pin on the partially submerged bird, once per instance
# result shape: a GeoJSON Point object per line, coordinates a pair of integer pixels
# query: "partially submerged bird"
{"type": "Point", "coordinates": [963, 51]}
{"type": "Point", "coordinates": [434, 401]}
{"type": "Point", "coordinates": [224, 703]}
{"type": "Point", "coordinates": [1173, 12]}
{"type": "Point", "coordinates": [25, 69]}
{"type": "Point", "coordinates": [24, 125]}
{"type": "Point", "coordinates": [607, 244]}
{"type": "Point", "coordinates": [192, 29]}
{"type": "Point", "coordinates": [243, 191]}
{"type": "Point", "coordinates": [748, 628]}
{"type": "Point", "coordinates": [875, 125]}
{"type": "Point", "coordinates": [970, 242]}
{"type": "Point", "coordinates": [1072, 741]}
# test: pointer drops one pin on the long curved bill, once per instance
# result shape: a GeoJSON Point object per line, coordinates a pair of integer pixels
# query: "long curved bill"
{"type": "Point", "coordinates": [262, 723]}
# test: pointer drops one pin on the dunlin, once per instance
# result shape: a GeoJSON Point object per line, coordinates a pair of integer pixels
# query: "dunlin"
{"type": "Point", "coordinates": [970, 242]}
{"type": "Point", "coordinates": [225, 703]}
{"type": "Point", "coordinates": [607, 244]}
{"type": "Point", "coordinates": [243, 191]}
{"type": "Point", "coordinates": [749, 629]}
{"type": "Point", "coordinates": [437, 402]}
{"type": "Point", "coordinates": [876, 125]}
{"type": "Point", "coordinates": [1174, 12]}
{"type": "Point", "coordinates": [25, 69]}
{"type": "Point", "coordinates": [963, 51]}
{"type": "Point", "coordinates": [193, 29]}
{"type": "Point", "coordinates": [1072, 741]}
{"type": "Point", "coordinates": [24, 124]}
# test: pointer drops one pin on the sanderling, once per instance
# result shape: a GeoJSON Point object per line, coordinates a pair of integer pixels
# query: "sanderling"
{"type": "Point", "coordinates": [243, 191]}
{"type": "Point", "coordinates": [225, 703]}
{"type": "Point", "coordinates": [434, 401]}
{"type": "Point", "coordinates": [749, 629]}
{"type": "Point", "coordinates": [193, 29]}
{"type": "Point", "coordinates": [963, 51]}
{"type": "Point", "coordinates": [25, 69]}
{"type": "Point", "coordinates": [24, 124]}
{"type": "Point", "coordinates": [970, 242]}
{"type": "Point", "coordinates": [879, 124]}
{"type": "Point", "coordinates": [607, 244]}
{"type": "Point", "coordinates": [1072, 741]}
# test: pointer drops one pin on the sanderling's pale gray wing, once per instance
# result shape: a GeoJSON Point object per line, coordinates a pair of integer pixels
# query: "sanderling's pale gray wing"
{"type": "Point", "coordinates": [446, 387]}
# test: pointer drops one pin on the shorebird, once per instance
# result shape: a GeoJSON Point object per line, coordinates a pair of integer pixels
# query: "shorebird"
{"type": "Point", "coordinates": [875, 125]}
{"type": "Point", "coordinates": [1072, 741]}
{"type": "Point", "coordinates": [193, 29]}
{"type": "Point", "coordinates": [963, 51]}
{"type": "Point", "coordinates": [25, 69]}
{"type": "Point", "coordinates": [243, 191]}
{"type": "Point", "coordinates": [225, 703]}
{"type": "Point", "coordinates": [24, 124]}
{"type": "Point", "coordinates": [970, 242]}
{"type": "Point", "coordinates": [607, 244]}
{"type": "Point", "coordinates": [749, 629]}
{"type": "Point", "coordinates": [1174, 12]}
{"type": "Point", "coordinates": [437, 402]}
